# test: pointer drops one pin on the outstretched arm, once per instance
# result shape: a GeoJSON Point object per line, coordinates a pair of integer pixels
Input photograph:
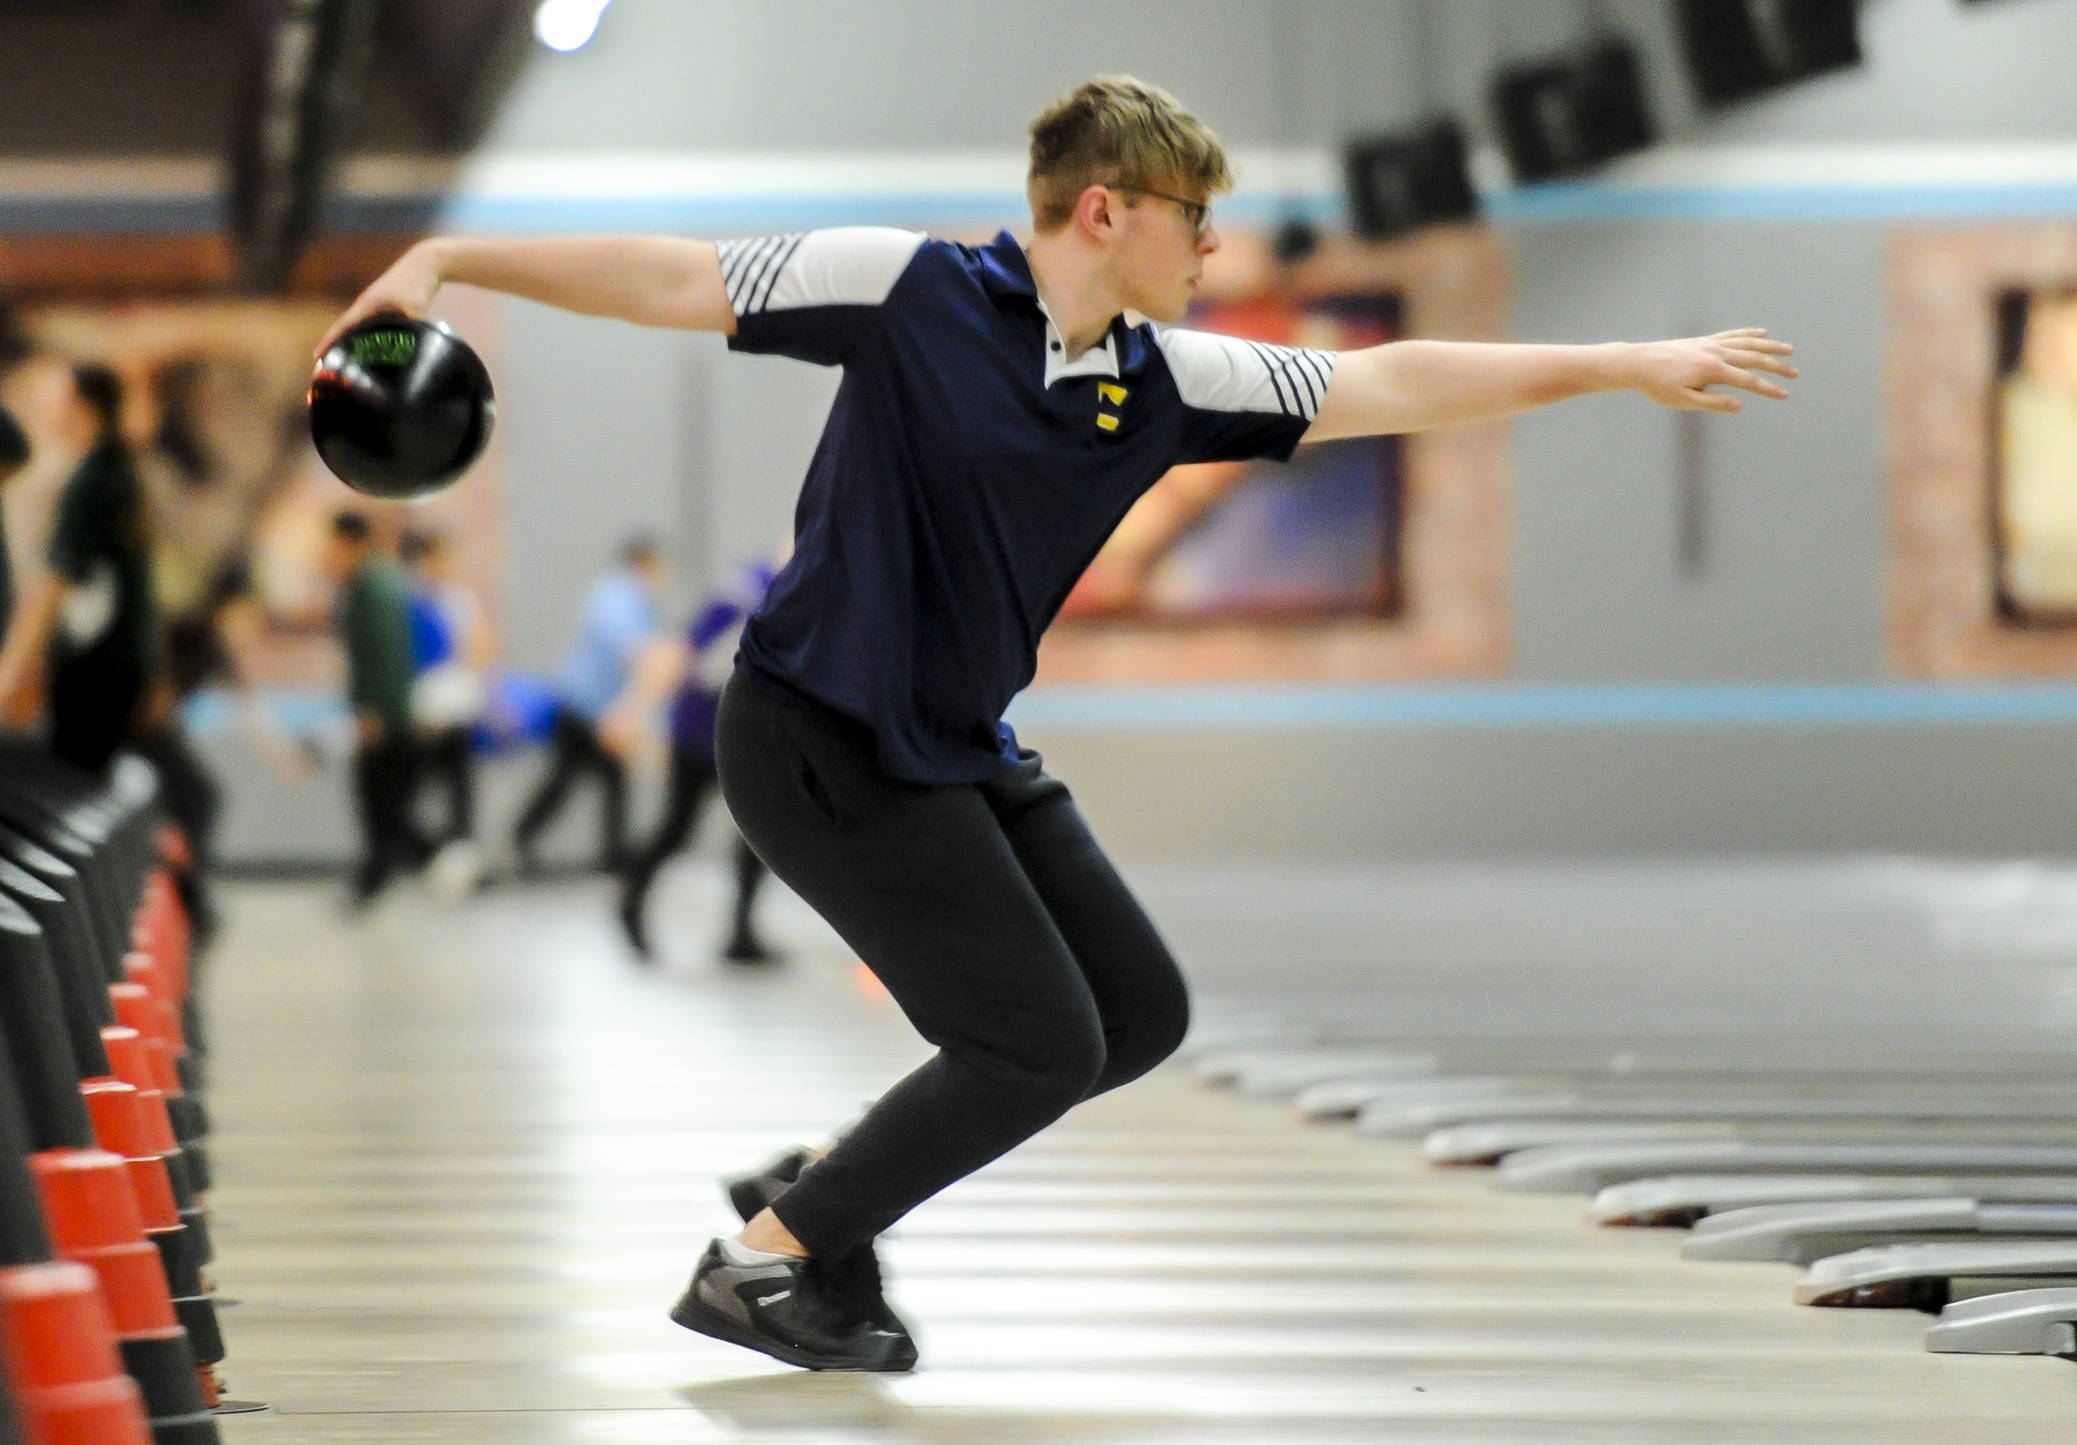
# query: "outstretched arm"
{"type": "Point", "coordinates": [1407, 386]}
{"type": "Point", "coordinates": [649, 280]}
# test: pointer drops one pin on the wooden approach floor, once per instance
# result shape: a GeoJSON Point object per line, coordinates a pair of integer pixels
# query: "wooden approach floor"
{"type": "Point", "coordinates": [467, 1156]}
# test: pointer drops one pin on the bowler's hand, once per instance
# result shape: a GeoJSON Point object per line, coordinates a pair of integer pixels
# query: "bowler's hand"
{"type": "Point", "coordinates": [406, 288]}
{"type": "Point", "coordinates": [1678, 373]}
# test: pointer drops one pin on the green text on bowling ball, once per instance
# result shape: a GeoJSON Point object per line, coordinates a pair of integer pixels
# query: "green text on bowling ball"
{"type": "Point", "coordinates": [385, 348]}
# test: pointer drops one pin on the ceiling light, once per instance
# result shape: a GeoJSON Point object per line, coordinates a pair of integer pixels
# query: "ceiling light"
{"type": "Point", "coordinates": [568, 24]}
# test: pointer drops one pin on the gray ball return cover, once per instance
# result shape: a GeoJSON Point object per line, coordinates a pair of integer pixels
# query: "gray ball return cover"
{"type": "Point", "coordinates": [1804, 1233]}
{"type": "Point", "coordinates": [1281, 1072]}
{"type": "Point", "coordinates": [1920, 1276]}
{"type": "Point", "coordinates": [2021, 1322]}
{"type": "Point", "coordinates": [1589, 1168]}
{"type": "Point", "coordinates": [1384, 1114]}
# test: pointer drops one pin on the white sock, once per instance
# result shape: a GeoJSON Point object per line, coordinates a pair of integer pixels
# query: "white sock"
{"type": "Point", "coordinates": [740, 1254]}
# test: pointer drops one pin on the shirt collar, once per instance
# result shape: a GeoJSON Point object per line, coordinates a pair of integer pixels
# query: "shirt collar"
{"type": "Point", "coordinates": [1006, 272]}
{"type": "Point", "coordinates": [1096, 361]}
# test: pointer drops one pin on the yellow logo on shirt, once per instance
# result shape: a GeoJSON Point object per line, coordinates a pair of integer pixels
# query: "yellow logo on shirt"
{"type": "Point", "coordinates": [1109, 393]}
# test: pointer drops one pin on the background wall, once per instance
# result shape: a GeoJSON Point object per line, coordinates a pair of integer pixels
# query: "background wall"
{"type": "Point", "coordinates": [823, 75]}
{"type": "Point", "coordinates": [614, 430]}
{"type": "Point", "coordinates": [1789, 581]}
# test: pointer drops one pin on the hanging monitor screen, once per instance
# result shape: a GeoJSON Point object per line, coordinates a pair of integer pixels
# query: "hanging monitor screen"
{"type": "Point", "coordinates": [1400, 183]}
{"type": "Point", "coordinates": [1568, 115]}
{"type": "Point", "coordinates": [1741, 48]}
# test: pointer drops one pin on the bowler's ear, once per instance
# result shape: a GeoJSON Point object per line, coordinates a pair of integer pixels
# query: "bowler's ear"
{"type": "Point", "coordinates": [1094, 211]}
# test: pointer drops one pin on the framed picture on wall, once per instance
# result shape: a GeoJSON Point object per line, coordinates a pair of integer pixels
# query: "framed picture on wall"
{"type": "Point", "coordinates": [1316, 537]}
{"type": "Point", "coordinates": [1357, 561]}
{"type": "Point", "coordinates": [1982, 423]}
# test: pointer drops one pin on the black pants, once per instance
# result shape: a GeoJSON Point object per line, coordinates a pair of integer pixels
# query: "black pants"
{"type": "Point", "coordinates": [194, 799]}
{"type": "Point", "coordinates": [385, 785]}
{"type": "Point", "coordinates": [692, 774]}
{"type": "Point", "coordinates": [188, 791]}
{"type": "Point", "coordinates": [447, 760]}
{"type": "Point", "coordinates": [995, 921]}
{"type": "Point", "coordinates": [93, 703]}
{"type": "Point", "coordinates": [576, 751]}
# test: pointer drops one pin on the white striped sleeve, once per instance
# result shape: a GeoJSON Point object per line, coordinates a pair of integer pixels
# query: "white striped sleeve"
{"type": "Point", "coordinates": [1227, 374]}
{"type": "Point", "coordinates": [843, 266]}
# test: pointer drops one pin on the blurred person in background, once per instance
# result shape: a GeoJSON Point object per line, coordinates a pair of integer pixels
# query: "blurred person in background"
{"type": "Point", "coordinates": [698, 665]}
{"type": "Point", "coordinates": [619, 622]}
{"type": "Point", "coordinates": [14, 455]}
{"type": "Point", "coordinates": [92, 622]}
{"type": "Point", "coordinates": [204, 647]}
{"type": "Point", "coordinates": [454, 648]}
{"type": "Point", "coordinates": [372, 616]}
{"type": "Point", "coordinates": [199, 652]}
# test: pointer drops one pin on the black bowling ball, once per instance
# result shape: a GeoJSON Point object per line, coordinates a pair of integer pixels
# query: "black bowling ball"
{"type": "Point", "coordinates": [400, 408]}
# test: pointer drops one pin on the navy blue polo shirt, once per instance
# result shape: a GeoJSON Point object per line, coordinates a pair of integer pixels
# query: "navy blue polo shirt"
{"type": "Point", "coordinates": [969, 472]}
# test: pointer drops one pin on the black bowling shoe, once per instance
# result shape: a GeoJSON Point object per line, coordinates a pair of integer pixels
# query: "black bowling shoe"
{"type": "Point", "coordinates": [855, 1274]}
{"type": "Point", "coordinates": [790, 1309]}
{"type": "Point", "coordinates": [752, 1194]}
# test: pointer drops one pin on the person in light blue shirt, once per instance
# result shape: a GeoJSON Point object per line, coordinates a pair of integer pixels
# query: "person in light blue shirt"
{"type": "Point", "coordinates": [619, 621]}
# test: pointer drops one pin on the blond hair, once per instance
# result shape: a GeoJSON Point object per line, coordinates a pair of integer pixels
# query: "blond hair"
{"type": "Point", "coordinates": [1118, 131]}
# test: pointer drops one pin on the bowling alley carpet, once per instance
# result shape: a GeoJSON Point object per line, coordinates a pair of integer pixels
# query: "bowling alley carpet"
{"type": "Point", "coordinates": [465, 1159]}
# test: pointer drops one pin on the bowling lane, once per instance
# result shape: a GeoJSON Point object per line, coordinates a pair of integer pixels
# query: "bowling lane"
{"type": "Point", "coordinates": [467, 1157]}
{"type": "Point", "coordinates": [1846, 963]}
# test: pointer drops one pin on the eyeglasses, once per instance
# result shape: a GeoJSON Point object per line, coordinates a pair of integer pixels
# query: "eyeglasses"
{"type": "Point", "coordinates": [1197, 213]}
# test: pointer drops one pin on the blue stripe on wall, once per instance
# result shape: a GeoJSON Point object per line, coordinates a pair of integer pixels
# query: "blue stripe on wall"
{"type": "Point", "coordinates": [496, 215]}
{"type": "Point", "coordinates": [1554, 203]}
{"type": "Point", "coordinates": [110, 215]}
{"type": "Point", "coordinates": [1502, 705]}
{"type": "Point", "coordinates": [1577, 202]}
{"type": "Point", "coordinates": [729, 215]}
{"type": "Point", "coordinates": [1134, 709]}
{"type": "Point", "coordinates": [737, 215]}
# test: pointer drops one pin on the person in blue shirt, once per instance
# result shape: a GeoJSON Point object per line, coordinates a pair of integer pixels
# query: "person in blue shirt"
{"type": "Point", "coordinates": [999, 412]}
{"type": "Point", "coordinates": [619, 620]}
{"type": "Point", "coordinates": [454, 647]}
{"type": "Point", "coordinates": [690, 664]}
